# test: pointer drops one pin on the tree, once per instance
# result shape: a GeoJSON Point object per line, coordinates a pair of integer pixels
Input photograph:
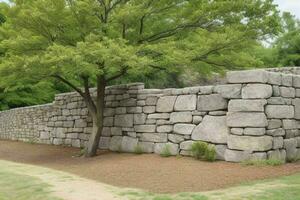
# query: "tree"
{"type": "Point", "coordinates": [83, 43]}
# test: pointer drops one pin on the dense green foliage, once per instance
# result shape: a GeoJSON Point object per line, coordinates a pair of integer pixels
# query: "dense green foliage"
{"type": "Point", "coordinates": [156, 42]}
{"type": "Point", "coordinates": [203, 151]}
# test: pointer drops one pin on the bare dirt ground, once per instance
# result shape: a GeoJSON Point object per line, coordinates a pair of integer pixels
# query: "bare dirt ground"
{"type": "Point", "coordinates": [148, 171]}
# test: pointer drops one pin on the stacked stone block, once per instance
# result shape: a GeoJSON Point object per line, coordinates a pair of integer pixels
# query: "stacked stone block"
{"type": "Point", "coordinates": [256, 115]}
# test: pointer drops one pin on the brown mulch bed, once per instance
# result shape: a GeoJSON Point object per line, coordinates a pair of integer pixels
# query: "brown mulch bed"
{"type": "Point", "coordinates": [148, 171]}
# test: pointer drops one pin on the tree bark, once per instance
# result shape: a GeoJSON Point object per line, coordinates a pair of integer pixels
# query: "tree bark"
{"type": "Point", "coordinates": [98, 117]}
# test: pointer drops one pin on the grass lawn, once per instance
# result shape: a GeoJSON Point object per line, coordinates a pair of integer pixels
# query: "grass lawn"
{"type": "Point", "coordinates": [284, 188]}
{"type": "Point", "coordinates": [22, 187]}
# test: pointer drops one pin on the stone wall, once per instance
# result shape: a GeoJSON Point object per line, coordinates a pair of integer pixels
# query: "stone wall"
{"type": "Point", "coordinates": [255, 115]}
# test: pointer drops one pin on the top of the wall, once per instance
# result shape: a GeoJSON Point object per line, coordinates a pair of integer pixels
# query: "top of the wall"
{"type": "Point", "coordinates": [285, 70]}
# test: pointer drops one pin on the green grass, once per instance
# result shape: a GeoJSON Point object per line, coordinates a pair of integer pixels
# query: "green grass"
{"type": "Point", "coordinates": [269, 162]}
{"type": "Point", "coordinates": [284, 188]}
{"type": "Point", "coordinates": [22, 187]}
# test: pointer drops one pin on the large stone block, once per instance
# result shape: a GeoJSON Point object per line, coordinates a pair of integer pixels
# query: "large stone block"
{"type": "Point", "coordinates": [154, 137]}
{"type": "Point", "coordinates": [129, 144]}
{"type": "Point", "coordinates": [175, 138]}
{"type": "Point", "coordinates": [277, 155]}
{"type": "Point", "coordinates": [166, 104]}
{"type": "Point", "coordinates": [186, 145]}
{"type": "Point", "coordinates": [211, 102]}
{"type": "Point", "coordinates": [140, 118]}
{"type": "Point", "coordinates": [160, 148]}
{"type": "Point", "coordinates": [159, 116]}
{"type": "Point", "coordinates": [116, 143]}
{"type": "Point", "coordinates": [212, 129]}
{"type": "Point", "coordinates": [181, 117]}
{"type": "Point", "coordinates": [147, 147]}
{"type": "Point", "coordinates": [249, 76]}
{"type": "Point", "coordinates": [254, 131]}
{"type": "Point", "coordinates": [276, 132]}
{"type": "Point", "coordinates": [296, 81]}
{"type": "Point", "coordinates": [296, 103]}
{"type": "Point", "coordinates": [104, 143]}
{"type": "Point", "coordinates": [145, 128]}
{"type": "Point", "coordinates": [287, 92]}
{"type": "Point", "coordinates": [185, 103]}
{"type": "Point", "coordinates": [249, 143]}
{"type": "Point", "coordinates": [274, 78]}
{"type": "Point", "coordinates": [124, 120]}
{"type": "Point", "coordinates": [229, 91]}
{"type": "Point", "coordinates": [274, 123]}
{"type": "Point", "coordinates": [184, 129]}
{"type": "Point", "coordinates": [236, 156]}
{"type": "Point", "coordinates": [289, 124]}
{"type": "Point", "coordinates": [240, 105]}
{"type": "Point", "coordinates": [280, 111]}
{"type": "Point", "coordinates": [257, 91]}
{"type": "Point", "coordinates": [165, 128]}
{"type": "Point", "coordinates": [277, 142]}
{"type": "Point", "coordinates": [220, 151]}
{"type": "Point", "coordinates": [290, 146]}
{"type": "Point", "coordinates": [246, 119]}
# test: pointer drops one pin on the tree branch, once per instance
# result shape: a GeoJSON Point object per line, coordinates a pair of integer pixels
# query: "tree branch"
{"type": "Point", "coordinates": [69, 84]}
{"type": "Point", "coordinates": [122, 72]}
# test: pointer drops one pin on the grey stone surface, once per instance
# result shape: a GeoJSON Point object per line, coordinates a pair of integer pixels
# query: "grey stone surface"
{"type": "Point", "coordinates": [246, 119]}
{"type": "Point", "coordinates": [212, 129]}
{"type": "Point", "coordinates": [116, 131]}
{"type": "Point", "coordinates": [145, 128]}
{"type": "Point", "coordinates": [173, 149]}
{"type": "Point", "coordinates": [236, 156]}
{"type": "Point", "coordinates": [237, 131]}
{"type": "Point", "coordinates": [276, 101]}
{"type": "Point", "coordinates": [211, 102]}
{"type": "Point", "coordinates": [129, 144]}
{"type": "Point", "coordinates": [296, 81]}
{"type": "Point", "coordinates": [154, 137]}
{"type": "Point", "coordinates": [296, 103]}
{"type": "Point", "coordinates": [289, 124]}
{"type": "Point", "coordinates": [274, 78]}
{"type": "Point", "coordinates": [186, 145]}
{"type": "Point", "coordinates": [116, 143]}
{"type": "Point", "coordinates": [288, 92]}
{"type": "Point", "coordinates": [139, 118]}
{"type": "Point", "coordinates": [249, 76]}
{"type": "Point", "coordinates": [231, 91]}
{"type": "Point", "coordinates": [165, 129]}
{"type": "Point", "coordinates": [181, 117]}
{"type": "Point", "coordinates": [257, 91]}
{"type": "Point", "coordinates": [147, 147]}
{"type": "Point", "coordinates": [166, 104]}
{"type": "Point", "coordinates": [280, 111]}
{"type": "Point", "coordinates": [159, 116]}
{"type": "Point", "coordinates": [254, 131]}
{"type": "Point", "coordinates": [277, 155]}
{"type": "Point", "coordinates": [197, 120]}
{"type": "Point", "coordinates": [123, 120]}
{"type": "Point", "coordinates": [287, 79]}
{"type": "Point", "coordinates": [246, 105]}
{"type": "Point", "coordinates": [184, 129]}
{"type": "Point", "coordinates": [104, 142]}
{"type": "Point", "coordinates": [277, 142]}
{"type": "Point", "coordinates": [291, 149]}
{"type": "Point", "coordinates": [220, 151]}
{"type": "Point", "coordinates": [175, 138]}
{"type": "Point", "coordinates": [185, 103]}
{"type": "Point", "coordinates": [250, 143]}
{"type": "Point", "coordinates": [276, 132]}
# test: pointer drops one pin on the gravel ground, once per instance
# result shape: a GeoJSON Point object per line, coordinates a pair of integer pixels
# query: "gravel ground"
{"type": "Point", "coordinates": [148, 171]}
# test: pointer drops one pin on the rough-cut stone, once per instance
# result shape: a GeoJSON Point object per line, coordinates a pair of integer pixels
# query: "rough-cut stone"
{"type": "Point", "coordinates": [290, 146]}
{"type": "Point", "coordinates": [197, 120]}
{"type": "Point", "coordinates": [211, 102]}
{"type": "Point", "coordinates": [75, 143]}
{"type": "Point", "coordinates": [258, 156]}
{"type": "Point", "coordinates": [160, 148]}
{"type": "Point", "coordinates": [287, 92]}
{"type": "Point", "coordinates": [274, 123]}
{"type": "Point", "coordinates": [165, 129]}
{"type": "Point", "coordinates": [289, 124]}
{"type": "Point", "coordinates": [249, 76]}
{"type": "Point", "coordinates": [149, 109]}
{"type": "Point", "coordinates": [186, 145]}
{"type": "Point", "coordinates": [175, 138]}
{"type": "Point", "coordinates": [145, 128]}
{"type": "Point", "coordinates": [237, 131]}
{"type": "Point", "coordinates": [246, 119]}
{"type": "Point", "coordinates": [154, 137]}
{"type": "Point", "coordinates": [151, 101]}
{"type": "Point", "coordinates": [57, 141]}
{"type": "Point", "coordinates": [296, 81]}
{"type": "Point", "coordinates": [116, 143]}
{"type": "Point", "coordinates": [249, 143]}
{"type": "Point", "coordinates": [181, 117]}
{"type": "Point", "coordinates": [280, 111]}
{"type": "Point", "coordinates": [276, 132]}
{"type": "Point", "coordinates": [296, 103]}
{"type": "Point", "coordinates": [108, 121]}
{"type": "Point", "coordinates": [184, 129]}
{"type": "Point", "coordinates": [277, 142]}
{"type": "Point", "coordinates": [159, 116]}
{"type": "Point", "coordinates": [217, 113]}
{"type": "Point", "coordinates": [276, 91]}
{"type": "Point", "coordinates": [277, 155]}
{"type": "Point", "coordinates": [139, 118]}
{"type": "Point", "coordinates": [220, 151]}
{"type": "Point", "coordinates": [231, 91]}
{"type": "Point", "coordinates": [212, 129]}
{"type": "Point", "coordinates": [116, 131]}
{"type": "Point", "coordinates": [246, 105]}
{"type": "Point", "coordinates": [147, 147]}
{"type": "Point", "coordinates": [276, 101]}
{"type": "Point", "coordinates": [274, 78]}
{"type": "Point", "coordinates": [257, 91]}
{"type": "Point", "coordinates": [185, 103]}
{"type": "Point", "coordinates": [287, 79]}
{"type": "Point", "coordinates": [254, 131]}
{"type": "Point", "coordinates": [206, 89]}
{"type": "Point", "coordinates": [129, 144]}
{"type": "Point", "coordinates": [166, 104]}
{"type": "Point", "coordinates": [104, 142]}
{"type": "Point", "coordinates": [106, 131]}
{"type": "Point", "coordinates": [124, 120]}
{"type": "Point", "coordinates": [236, 156]}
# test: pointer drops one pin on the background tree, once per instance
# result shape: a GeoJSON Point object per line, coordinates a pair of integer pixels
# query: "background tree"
{"type": "Point", "coordinates": [85, 43]}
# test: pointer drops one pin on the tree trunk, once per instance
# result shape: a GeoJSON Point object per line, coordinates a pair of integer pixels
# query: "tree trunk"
{"type": "Point", "coordinates": [98, 117]}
